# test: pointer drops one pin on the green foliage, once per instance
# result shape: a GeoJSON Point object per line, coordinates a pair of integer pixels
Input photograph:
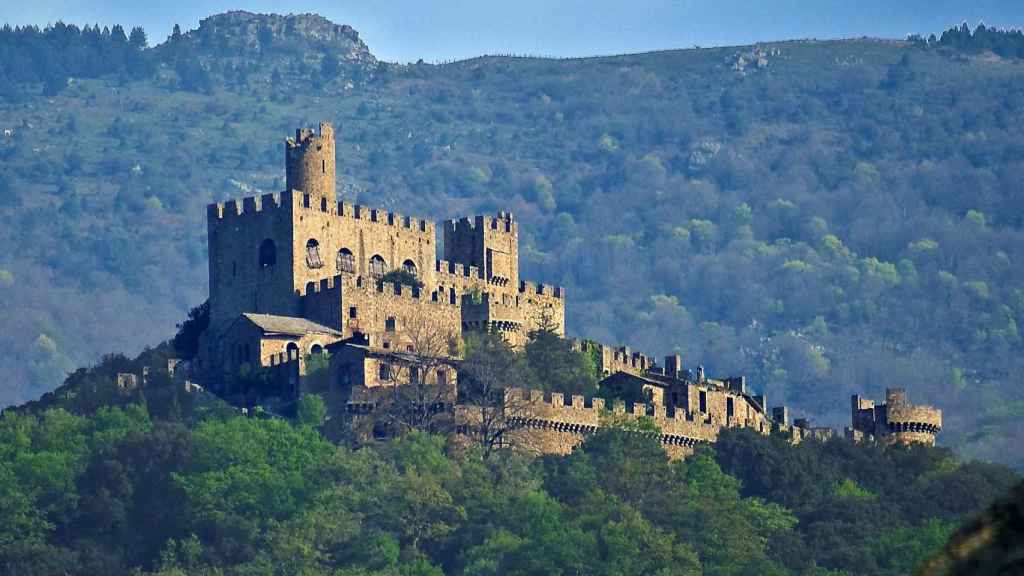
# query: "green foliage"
{"type": "Point", "coordinates": [552, 364]}
{"type": "Point", "coordinates": [112, 491]}
{"type": "Point", "coordinates": [186, 341]}
{"type": "Point", "coordinates": [862, 508]}
{"type": "Point", "coordinates": [661, 206]}
{"type": "Point", "coordinates": [311, 410]}
{"type": "Point", "coordinates": [402, 276]}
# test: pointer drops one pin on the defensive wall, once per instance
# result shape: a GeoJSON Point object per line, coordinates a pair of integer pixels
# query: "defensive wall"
{"type": "Point", "coordinates": [386, 309]}
{"type": "Point", "coordinates": [551, 423]}
{"type": "Point", "coordinates": [896, 421]}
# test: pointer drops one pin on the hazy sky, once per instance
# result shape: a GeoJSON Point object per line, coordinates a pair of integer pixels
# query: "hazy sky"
{"type": "Point", "coordinates": [403, 30]}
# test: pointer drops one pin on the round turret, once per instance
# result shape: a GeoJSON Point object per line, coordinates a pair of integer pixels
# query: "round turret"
{"type": "Point", "coordinates": [909, 424]}
{"type": "Point", "coordinates": [310, 164]}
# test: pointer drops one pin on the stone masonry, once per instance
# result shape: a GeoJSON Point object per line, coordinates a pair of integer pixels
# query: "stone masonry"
{"type": "Point", "coordinates": [298, 274]}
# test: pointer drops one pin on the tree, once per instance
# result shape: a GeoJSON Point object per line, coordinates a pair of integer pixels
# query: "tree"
{"type": "Point", "coordinates": [138, 39]}
{"type": "Point", "coordinates": [402, 276]}
{"type": "Point", "coordinates": [417, 396]}
{"type": "Point", "coordinates": [9, 197]}
{"type": "Point", "coordinates": [489, 410]}
{"type": "Point", "coordinates": [553, 364]}
{"type": "Point", "coordinates": [329, 67]}
{"type": "Point", "coordinates": [186, 341]}
{"type": "Point", "coordinates": [311, 410]}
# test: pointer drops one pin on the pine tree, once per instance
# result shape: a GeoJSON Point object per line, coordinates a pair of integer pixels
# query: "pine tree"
{"type": "Point", "coordinates": [138, 38]}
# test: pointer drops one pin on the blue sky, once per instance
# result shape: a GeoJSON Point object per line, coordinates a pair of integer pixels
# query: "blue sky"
{"type": "Point", "coordinates": [405, 30]}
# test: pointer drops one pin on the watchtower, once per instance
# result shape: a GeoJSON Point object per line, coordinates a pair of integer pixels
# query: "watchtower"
{"type": "Point", "coordinates": [310, 165]}
{"type": "Point", "coordinates": [490, 243]}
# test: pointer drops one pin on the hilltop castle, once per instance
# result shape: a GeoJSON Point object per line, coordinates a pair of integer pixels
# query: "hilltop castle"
{"type": "Point", "coordinates": [298, 276]}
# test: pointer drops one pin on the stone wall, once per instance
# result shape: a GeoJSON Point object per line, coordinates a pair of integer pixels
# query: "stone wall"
{"type": "Point", "coordinates": [366, 233]}
{"type": "Point", "coordinates": [896, 421]}
{"type": "Point", "coordinates": [551, 423]}
{"type": "Point", "coordinates": [383, 310]}
{"type": "Point", "coordinates": [309, 161]}
{"type": "Point", "coordinates": [238, 281]}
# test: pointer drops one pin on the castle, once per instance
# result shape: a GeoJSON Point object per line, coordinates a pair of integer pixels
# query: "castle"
{"type": "Point", "coordinates": [298, 276]}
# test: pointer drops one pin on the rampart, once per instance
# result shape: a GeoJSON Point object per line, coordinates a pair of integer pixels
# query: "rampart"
{"type": "Point", "coordinates": [616, 359]}
{"type": "Point", "coordinates": [896, 421]}
{"type": "Point", "coordinates": [551, 423]}
{"type": "Point", "coordinates": [356, 304]}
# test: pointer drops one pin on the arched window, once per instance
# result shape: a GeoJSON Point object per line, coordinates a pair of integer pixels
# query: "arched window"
{"type": "Point", "coordinates": [378, 267]}
{"type": "Point", "coordinates": [346, 262]}
{"type": "Point", "coordinates": [268, 253]}
{"type": "Point", "coordinates": [313, 254]}
{"type": "Point", "coordinates": [409, 266]}
{"type": "Point", "coordinates": [316, 350]}
{"type": "Point", "coordinates": [293, 351]}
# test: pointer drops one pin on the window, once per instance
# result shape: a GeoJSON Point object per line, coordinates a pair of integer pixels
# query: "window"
{"type": "Point", "coordinates": [316, 350]}
{"type": "Point", "coordinates": [352, 312]}
{"type": "Point", "coordinates": [410, 267]}
{"type": "Point", "coordinates": [414, 375]}
{"type": "Point", "coordinates": [442, 377]}
{"type": "Point", "coordinates": [703, 401]}
{"type": "Point", "coordinates": [729, 409]}
{"type": "Point", "coordinates": [313, 254]}
{"type": "Point", "coordinates": [293, 351]}
{"type": "Point", "coordinates": [378, 267]}
{"type": "Point", "coordinates": [385, 371]}
{"type": "Point", "coordinates": [389, 324]}
{"type": "Point", "coordinates": [346, 262]}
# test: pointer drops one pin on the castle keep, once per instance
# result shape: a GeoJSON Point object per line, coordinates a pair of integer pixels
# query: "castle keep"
{"type": "Point", "coordinates": [297, 275]}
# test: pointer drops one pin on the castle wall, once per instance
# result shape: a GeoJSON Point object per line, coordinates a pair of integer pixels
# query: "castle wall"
{"type": "Point", "coordinates": [490, 243]}
{"type": "Point", "coordinates": [331, 300]}
{"type": "Point", "coordinates": [897, 421]}
{"type": "Point", "coordinates": [366, 232]}
{"type": "Point", "coordinates": [551, 423]}
{"type": "Point", "coordinates": [238, 283]}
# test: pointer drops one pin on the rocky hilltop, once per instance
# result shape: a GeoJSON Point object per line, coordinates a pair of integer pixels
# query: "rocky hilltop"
{"type": "Point", "coordinates": [294, 45]}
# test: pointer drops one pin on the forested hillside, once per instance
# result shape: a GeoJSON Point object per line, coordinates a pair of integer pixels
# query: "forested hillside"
{"type": "Point", "coordinates": [162, 482]}
{"type": "Point", "coordinates": [823, 217]}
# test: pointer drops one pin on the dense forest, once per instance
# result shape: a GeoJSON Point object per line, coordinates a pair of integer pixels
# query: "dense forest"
{"type": "Point", "coordinates": [823, 217]}
{"type": "Point", "coordinates": [160, 481]}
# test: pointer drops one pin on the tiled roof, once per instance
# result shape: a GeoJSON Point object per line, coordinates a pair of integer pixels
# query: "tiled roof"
{"type": "Point", "coordinates": [289, 325]}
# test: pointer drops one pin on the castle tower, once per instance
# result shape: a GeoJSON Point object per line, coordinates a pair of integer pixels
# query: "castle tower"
{"type": "Point", "coordinates": [490, 243]}
{"type": "Point", "coordinates": [310, 164]}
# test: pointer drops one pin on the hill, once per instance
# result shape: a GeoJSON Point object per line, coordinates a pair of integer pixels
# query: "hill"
{"type": "Point", "coordinates": [824, 217]}
{"type": "Point", "coordinates": [101, 480]}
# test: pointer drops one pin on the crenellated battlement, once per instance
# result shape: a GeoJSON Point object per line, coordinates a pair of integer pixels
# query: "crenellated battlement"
{"type": "Point", "coordinates": [502, 222]}
{"type": "Point", "coordinates": [247, 206]}
{"type": "Point", "coordinates": [896, 421]}
{"type": "Point", "coordinates": [339, 284]}
{"type": "Point", "coordinates": [456, 270]}
{"type": "Point", "coordinates": [551, 422]}
{"type": "Point", "coordinates": [384, 217]}
{"type": "Point", "coordinates": [526, 287]}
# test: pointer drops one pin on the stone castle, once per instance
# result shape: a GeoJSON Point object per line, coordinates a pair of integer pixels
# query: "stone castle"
{"type": "Point", "coordinates": [297, 276]}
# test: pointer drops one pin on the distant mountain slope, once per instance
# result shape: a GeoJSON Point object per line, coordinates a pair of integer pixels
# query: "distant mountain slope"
{"type": "Point", "coordinates": [824, 217]}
